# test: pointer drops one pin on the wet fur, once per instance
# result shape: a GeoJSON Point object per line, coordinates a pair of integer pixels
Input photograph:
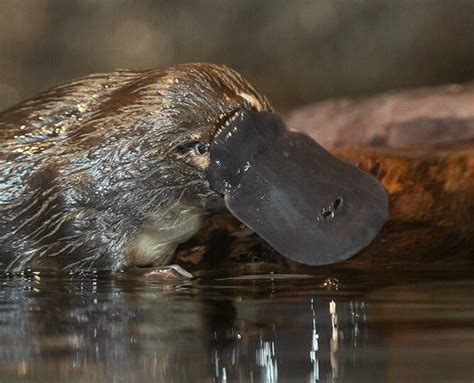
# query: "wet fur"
{"type": "Point", "coordinates": [88, 168]}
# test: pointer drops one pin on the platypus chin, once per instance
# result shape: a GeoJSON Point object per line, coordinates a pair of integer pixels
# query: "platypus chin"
{"type": "Point", "coordinates": [117, 169]}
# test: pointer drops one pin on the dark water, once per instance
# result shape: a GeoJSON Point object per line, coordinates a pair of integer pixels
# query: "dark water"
{"type": "Point", "coordinates": [251, 329]}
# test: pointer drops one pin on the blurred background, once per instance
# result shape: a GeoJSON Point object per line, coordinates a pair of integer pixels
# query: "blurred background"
{"type": "Point", "coordinates": [295, 52]}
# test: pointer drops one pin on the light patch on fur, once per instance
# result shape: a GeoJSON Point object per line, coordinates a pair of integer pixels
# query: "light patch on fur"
{"type": "Point", "coordinates": [252, 100]}
{"type": "Point", "coordinates": [157, 240]}
{"type": "Point", "coordinates": [197, 160]}
{"type": "Point", "coordinates": [202, 162]}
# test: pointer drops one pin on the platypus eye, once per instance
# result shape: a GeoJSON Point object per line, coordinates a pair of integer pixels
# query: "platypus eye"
{"type": "Point", "coordinates": [194, 153]}
{"type": "Point", "coordinates": [199, 147]}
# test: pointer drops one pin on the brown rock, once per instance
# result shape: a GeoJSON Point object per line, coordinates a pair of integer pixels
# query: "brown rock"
{"type": "Point", "coordinates": [427, 117]}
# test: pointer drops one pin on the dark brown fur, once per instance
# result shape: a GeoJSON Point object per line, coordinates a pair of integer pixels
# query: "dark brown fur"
{"type": "Point", "coordinates": [86, 165]}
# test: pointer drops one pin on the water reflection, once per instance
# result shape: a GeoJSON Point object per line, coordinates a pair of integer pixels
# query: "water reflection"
{"type": "Point", "coordinates": [103, 330]}
{"type": "Point", "coordinates": [309, 340]}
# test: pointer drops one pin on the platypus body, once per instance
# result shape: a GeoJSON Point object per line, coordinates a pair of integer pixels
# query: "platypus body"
{"type": "Point", "coordinates": [118, 169]}
{"type": "Point", "coordinates": [108, 171]}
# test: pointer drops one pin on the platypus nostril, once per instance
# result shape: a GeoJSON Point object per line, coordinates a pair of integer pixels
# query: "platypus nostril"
{"type": "Point", "coordinates": [326, 214]}
{"type": "Point", "coordinates": [329, 212]}
{"type": "Point", "coordinates": [337, 203]}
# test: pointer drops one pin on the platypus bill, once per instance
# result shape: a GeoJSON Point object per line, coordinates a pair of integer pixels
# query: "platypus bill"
{"type": "Point", "coordinates": [116, 170]}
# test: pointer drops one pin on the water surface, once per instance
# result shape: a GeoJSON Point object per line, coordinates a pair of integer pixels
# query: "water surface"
{"type": "Point", "coordinates": [266, 328]}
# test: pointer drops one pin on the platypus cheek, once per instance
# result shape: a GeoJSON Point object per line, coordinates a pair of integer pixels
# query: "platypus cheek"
{"type": "Point", "coordinates": [309, 205]}
{"type": "Point", "coordinates": [202, 162]}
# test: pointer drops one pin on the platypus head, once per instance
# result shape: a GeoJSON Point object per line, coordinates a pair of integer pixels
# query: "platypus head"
{"type": "Point", "coordinates": [222, 139]}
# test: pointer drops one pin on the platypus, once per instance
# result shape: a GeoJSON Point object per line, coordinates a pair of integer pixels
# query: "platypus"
{"type": "Point", "coordinates": [118, 169]}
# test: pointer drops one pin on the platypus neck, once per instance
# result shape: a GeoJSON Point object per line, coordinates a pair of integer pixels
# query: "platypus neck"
{"type": "Point", "coordinates": [157, 239]}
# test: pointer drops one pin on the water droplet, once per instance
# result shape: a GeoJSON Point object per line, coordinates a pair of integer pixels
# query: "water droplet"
{"type": "Point", "coordinates": [227, 186]}
{"type": "Point", "coordinates": [331, 283]}
{"type": "Point", "coordinates": [247, 166]}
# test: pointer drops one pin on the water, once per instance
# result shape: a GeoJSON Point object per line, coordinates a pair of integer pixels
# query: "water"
{"type": "Point", "coordinates": [267, 328]}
